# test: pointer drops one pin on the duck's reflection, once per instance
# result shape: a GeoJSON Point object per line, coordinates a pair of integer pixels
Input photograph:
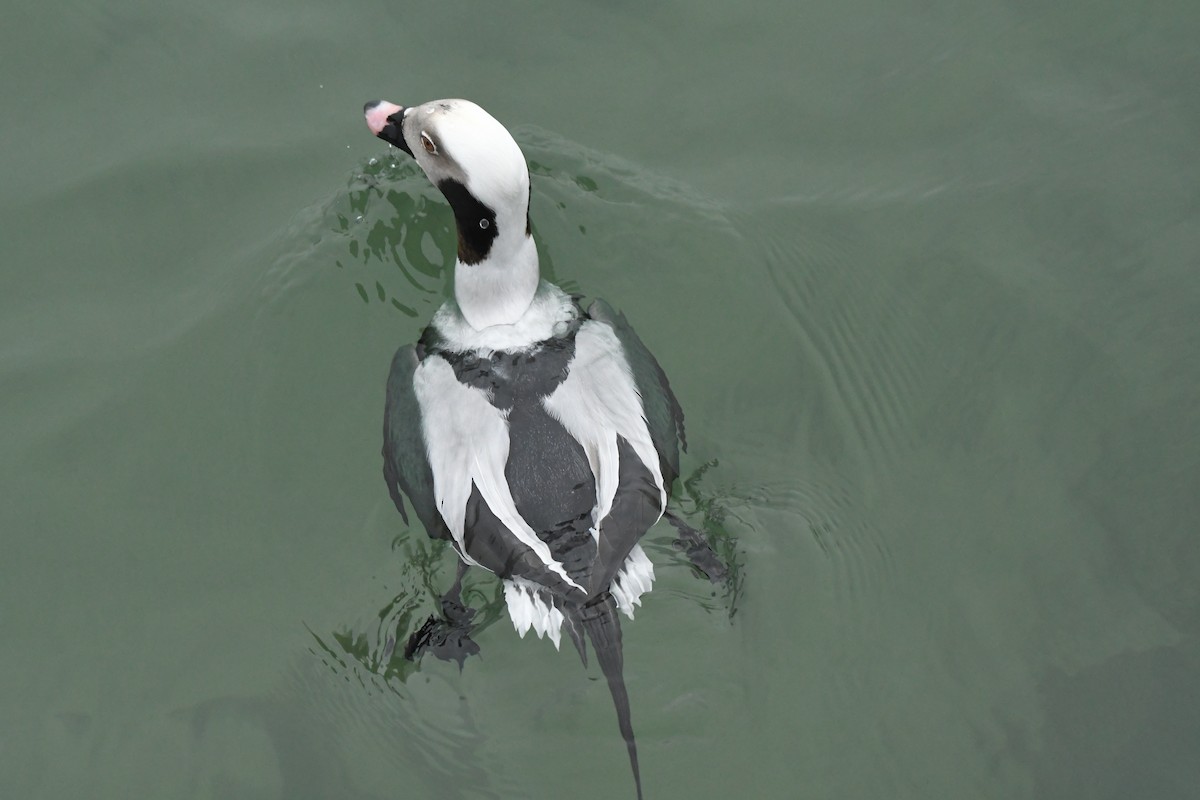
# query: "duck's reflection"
{"type": "Point", "coordinates": [426, 617]}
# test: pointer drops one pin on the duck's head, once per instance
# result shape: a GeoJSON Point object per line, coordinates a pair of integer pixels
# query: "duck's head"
{"type": "Point", "coordinates": [477, 165]}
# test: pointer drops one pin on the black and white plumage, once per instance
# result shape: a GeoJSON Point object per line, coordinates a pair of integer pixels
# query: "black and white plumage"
{"type": "Point", "coordinates": [540, 439]}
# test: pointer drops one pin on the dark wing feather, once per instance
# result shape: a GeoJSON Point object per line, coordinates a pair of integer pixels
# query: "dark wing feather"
{"type": "Point", "coordinates": [664, 417]}
{"type": "Point", "coordinates": [635, 508]}
{"type": "Point", "coordinates": [405, 465]}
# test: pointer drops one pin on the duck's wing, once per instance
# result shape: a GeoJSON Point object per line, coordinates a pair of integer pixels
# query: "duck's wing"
{"type": "Point", "coordinates": [617, 405]}
{"type": "Point", "coordinates": [406, 466]}
{"type": "Point", "coordinates": [664, 416]}
{"type": "Point", "coordinates": [465, 439]}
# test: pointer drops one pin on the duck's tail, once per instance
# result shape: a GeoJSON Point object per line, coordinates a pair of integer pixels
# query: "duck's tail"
{"type": "Point", "coordinates": [599, 619]}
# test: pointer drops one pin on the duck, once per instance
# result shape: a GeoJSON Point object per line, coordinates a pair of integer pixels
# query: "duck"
{"type": "Point", "coordinates": [540, 438]}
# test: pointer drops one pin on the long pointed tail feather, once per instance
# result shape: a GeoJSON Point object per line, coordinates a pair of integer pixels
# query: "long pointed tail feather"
{"type": "Point", "coordinates": [574, 628]}
{"type": "Point", "coordinates": [599, 620]}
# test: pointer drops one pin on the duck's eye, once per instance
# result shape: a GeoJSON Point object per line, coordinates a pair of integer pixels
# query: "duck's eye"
{"type": "Point", "coordinates": [428, 144]}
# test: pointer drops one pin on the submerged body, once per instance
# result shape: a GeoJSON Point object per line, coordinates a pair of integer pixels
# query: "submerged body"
{"type": "Point", "coordinates": [540, 439]}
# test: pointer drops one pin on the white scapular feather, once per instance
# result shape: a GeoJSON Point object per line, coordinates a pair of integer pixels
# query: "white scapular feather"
{"type": "Point", "coordinates": [599, 402]}
{"type": "Point", "coordinates": [466, 441]}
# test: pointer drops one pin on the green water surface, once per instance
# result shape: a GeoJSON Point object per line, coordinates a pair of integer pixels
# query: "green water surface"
{"type": "Point", "coordinates": [925, 277]}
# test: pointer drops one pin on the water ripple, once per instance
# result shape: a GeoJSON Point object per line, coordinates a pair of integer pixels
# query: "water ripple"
{"type": "Point", "coordinates": [862, 330]}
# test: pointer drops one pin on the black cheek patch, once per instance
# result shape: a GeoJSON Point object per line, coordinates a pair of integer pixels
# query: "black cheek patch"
{"type": "Point", "coordinates": [476, 222]}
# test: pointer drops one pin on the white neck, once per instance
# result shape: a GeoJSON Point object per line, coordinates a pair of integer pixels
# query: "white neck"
{"type": "Point", "coordinates": [499, 289]}
{"type": "Point", "coordinates": [550, 314]}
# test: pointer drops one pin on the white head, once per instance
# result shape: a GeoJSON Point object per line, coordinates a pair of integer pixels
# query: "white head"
{"type": "Point", "coordinates": [479, 168]}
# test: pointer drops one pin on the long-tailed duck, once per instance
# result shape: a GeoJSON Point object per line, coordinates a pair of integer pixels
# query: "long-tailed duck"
{"type": "Point", "coordinates": [541, 439]}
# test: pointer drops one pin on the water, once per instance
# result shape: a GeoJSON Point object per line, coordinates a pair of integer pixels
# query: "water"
{"type": "Point", "coordinates": [923, 276]}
